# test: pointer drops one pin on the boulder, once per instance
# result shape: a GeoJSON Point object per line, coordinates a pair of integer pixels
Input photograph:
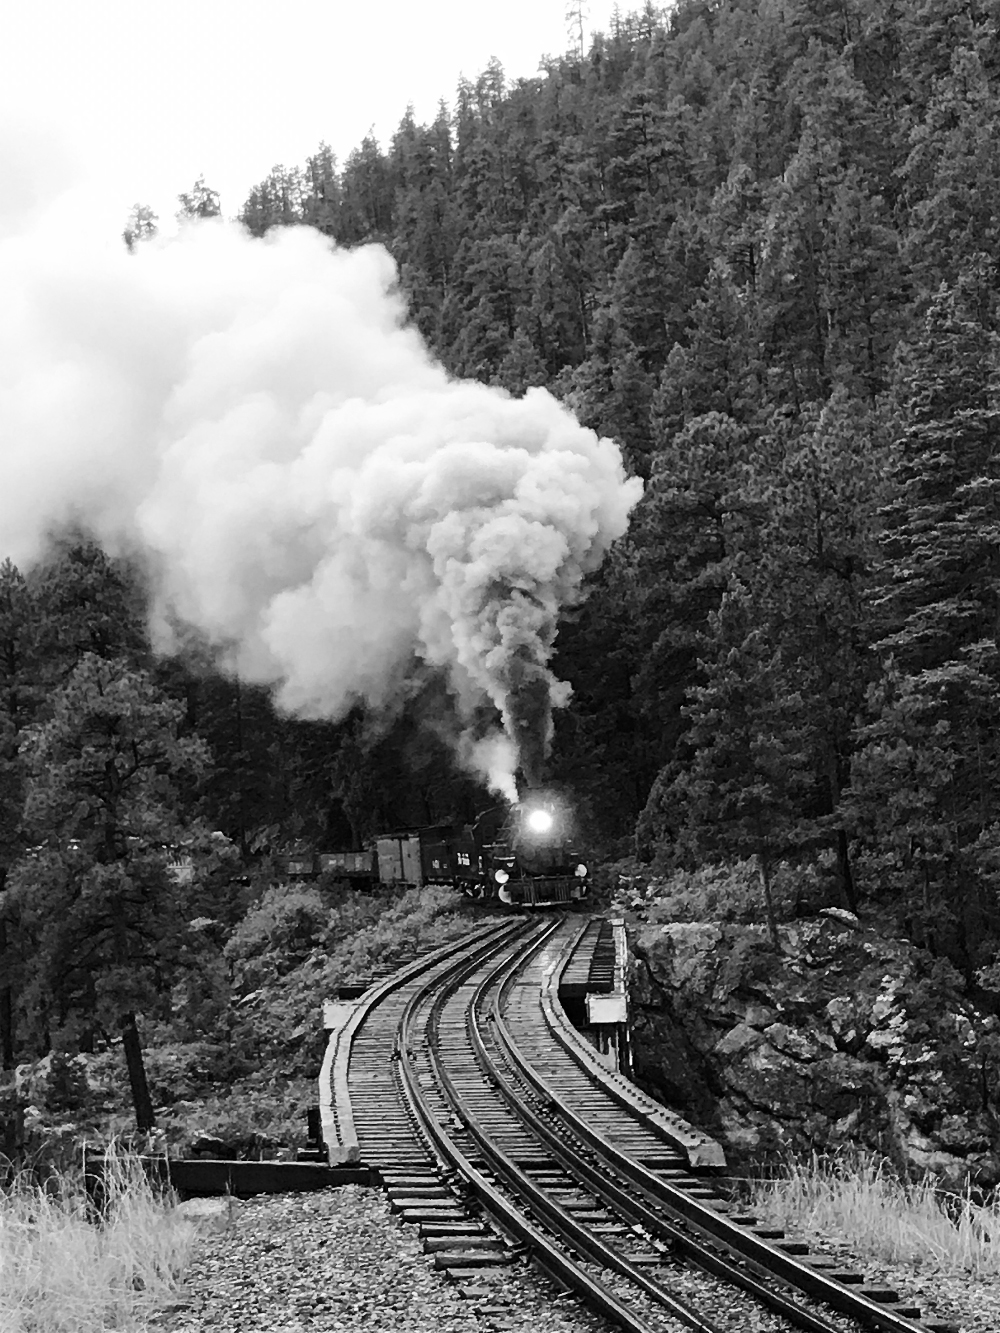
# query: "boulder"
{"type": "Point", "coordinates": [207, 1146]}
{"type": "Point", "coordinates": [210, 1214]}
{"type": "Point", "coordinates": [799, 1043]}
{"type": "Point", "coordinates": [759, 1015]}
{"type": "Point", "coordinates": [842, 915]}
{"type": "Point", "coordinates": [738, 1040]}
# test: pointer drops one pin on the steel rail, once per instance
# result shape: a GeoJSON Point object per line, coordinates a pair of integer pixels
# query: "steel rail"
{"type": "Point", "coordinates": [768, 1259]}
{"type": "Point", "coordinates": [700, 1149]}
{"type": "Point", "coordinates": [506, 1214]}
{"type": "Point", "coordinates": [336, 1109]}
{"type": "Point", "coordinates": [558, 1219]}
{"type": "Point", "coordinates": [620, 1196]}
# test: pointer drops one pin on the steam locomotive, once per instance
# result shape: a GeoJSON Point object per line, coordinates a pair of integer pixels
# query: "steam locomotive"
{"type": "Point", "coordinates": [532, 857]}
{"type": "Point", "coordinates": [522, 855]}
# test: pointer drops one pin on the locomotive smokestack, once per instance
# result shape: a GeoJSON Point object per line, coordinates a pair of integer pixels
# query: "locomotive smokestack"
{"type": "Point", "coordinates": [311, 490]}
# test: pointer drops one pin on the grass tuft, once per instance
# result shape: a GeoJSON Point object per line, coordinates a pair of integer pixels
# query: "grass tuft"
{"type": "Point", "coordinates": [62, 1273]}
{"type": "Point", "coordinates": [861, 1202]}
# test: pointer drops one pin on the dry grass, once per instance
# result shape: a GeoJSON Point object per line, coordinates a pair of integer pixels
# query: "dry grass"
{"type": "Point", "coordinates": [61, 1273]}
{"type": "Point", "coordinates": [861, 1202]}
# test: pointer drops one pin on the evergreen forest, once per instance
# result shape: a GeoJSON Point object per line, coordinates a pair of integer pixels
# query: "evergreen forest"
{"type": "Point", "coordinates": [758, 244]}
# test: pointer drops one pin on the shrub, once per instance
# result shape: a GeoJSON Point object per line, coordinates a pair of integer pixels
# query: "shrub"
{"type": "Point", "coordinates": [726, 892]}
{"type": "Point", "coordinates": [179, 1071]}
{"type": "Point", "coordinates": [278, 932]}
{"type": "Point", "coordinates": [420, 920]}
{"type": "Point", "coordinates": [254, 1119]}
{"type": "Point", "coordinates": [57, 1082]}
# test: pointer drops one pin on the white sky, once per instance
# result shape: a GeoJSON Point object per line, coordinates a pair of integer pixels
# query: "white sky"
{"type": "Point", "coordinates": [152, 96]}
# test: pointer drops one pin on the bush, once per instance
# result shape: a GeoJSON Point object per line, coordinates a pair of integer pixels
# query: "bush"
{"type": "Point", "coordinates": [278, 932]}
{"type": "Point", "coordinates": [728, 893]}
{"type": "Point", "coordinates": [179, 1071]}
{"type": "Point", "coordinates": [246, 1073]}
{"type": "Point", "coordinates": [276, 1021]}
{"type": "Point", "coordinates": [57, 1082]}
{"type": "Point", "coordinates": [420, 920]}
{"type": "Point", "coordinates": [254, 1119]}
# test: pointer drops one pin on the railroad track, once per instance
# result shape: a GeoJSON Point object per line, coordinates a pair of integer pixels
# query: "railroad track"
{"type": "Point", "coordinates": [498, 1132]}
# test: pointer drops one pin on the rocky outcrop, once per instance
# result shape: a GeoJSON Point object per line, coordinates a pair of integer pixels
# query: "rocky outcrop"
{"type": "Point", "coordinates": [847, 1037]}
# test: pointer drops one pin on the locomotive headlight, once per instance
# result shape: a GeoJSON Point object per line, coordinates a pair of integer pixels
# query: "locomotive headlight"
{"type": "Point", "coordinates": [501, 876]}
{"type": "Point", "coordinates": [540, 821]}
{"type": "Point", "coordinates": [581, 871]}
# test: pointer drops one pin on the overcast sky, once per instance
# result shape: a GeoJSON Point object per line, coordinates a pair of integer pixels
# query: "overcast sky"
{"type": "Point", "coordinates": [154, 95]}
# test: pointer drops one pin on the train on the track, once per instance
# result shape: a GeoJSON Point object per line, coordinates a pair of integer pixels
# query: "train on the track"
{"type": "Point", "coordinates": [522, 854]}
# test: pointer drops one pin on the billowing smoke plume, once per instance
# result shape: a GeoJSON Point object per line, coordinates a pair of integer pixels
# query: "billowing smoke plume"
{"type": "Point", "coordinates": [309, 489]}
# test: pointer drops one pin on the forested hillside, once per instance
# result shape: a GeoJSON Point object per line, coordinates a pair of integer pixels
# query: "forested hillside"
{"type": "Point", "coordinates": [757, 244]}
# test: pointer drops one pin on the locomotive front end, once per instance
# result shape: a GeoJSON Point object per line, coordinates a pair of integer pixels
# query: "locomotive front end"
{"type": "Point", "coordinates": [535, 862]}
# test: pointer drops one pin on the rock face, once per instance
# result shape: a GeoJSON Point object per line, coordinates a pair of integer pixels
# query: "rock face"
{"type": "Point", "coordinates": [847, 1037]}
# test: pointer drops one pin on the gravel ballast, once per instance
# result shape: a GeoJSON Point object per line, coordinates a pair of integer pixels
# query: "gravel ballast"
{"type": "Point", "coordinates": [972, 1305]}
{"type": "Point", "coordinates": [337, 1261]}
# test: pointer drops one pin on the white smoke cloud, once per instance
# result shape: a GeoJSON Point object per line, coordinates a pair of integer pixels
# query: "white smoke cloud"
{"type": "Point", "coordinates": [311, 490]}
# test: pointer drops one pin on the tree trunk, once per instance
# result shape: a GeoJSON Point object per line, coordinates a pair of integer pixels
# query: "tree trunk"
{"type": "Point", "coordinates": [6, 989]}
{"type": "Point", "coordinates": [842, 846]}
{"type": "Point", "coordinates": [765, 879]}
{"type": "Point", "coordinates": [846, 875]}
{"type": "Point", "coordinates": [141, 1099]}
{"type": "Point", "coordinates": [6, 996]}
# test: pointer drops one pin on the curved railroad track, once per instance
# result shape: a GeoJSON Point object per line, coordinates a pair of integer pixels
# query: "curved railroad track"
{"type": "Point", "coordinates": [496, 1129]}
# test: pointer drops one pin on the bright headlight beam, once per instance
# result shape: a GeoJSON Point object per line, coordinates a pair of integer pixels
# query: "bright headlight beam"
{"type": "Point", "coordinates": [539, 821]}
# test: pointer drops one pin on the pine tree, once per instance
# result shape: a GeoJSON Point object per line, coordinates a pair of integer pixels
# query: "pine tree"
{"type": "Point", "coordinates": [521, 367]}
{"type": "Point", "coordinates": [141, 226]}
{"type": "Point", "coordinates": [95, 894]}
{"type": "Point", "coordinates": [939, 592]}
{"type": "Point", "coordinates": [322, 192]}
{"type": "Point", "coordinates": [87, 602]}
{"type": "Point", "coordinates": [366, 207]}
{"type": "Point", "coordinates": [199, 201]}
{"type": "Point", "coordinates": [278, 201]}
{"type": "Point", "coordinates": [927, 775]}
{"type": "Point", "coordinates": [811, 574]}
{"type": "Point", "coordinates": [952, 176]}
{"type": "Point", "coordinates": [612, 394]}
{"type": "Point", "coordinates": [19, 700]}
{"type": "Point", "coordinates": [746, 784]}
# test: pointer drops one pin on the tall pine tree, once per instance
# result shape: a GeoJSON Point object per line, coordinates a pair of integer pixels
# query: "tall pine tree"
{"type": "Point", "coordinates": [927, 778]}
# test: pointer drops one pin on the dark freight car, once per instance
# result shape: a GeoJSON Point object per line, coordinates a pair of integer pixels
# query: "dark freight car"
{"type": "Point", "coordinates": [358, 868]}
{"type": "Point", "coordinates": [348, 865]}
{"type": "Point", "coordinates": [441, 855]}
